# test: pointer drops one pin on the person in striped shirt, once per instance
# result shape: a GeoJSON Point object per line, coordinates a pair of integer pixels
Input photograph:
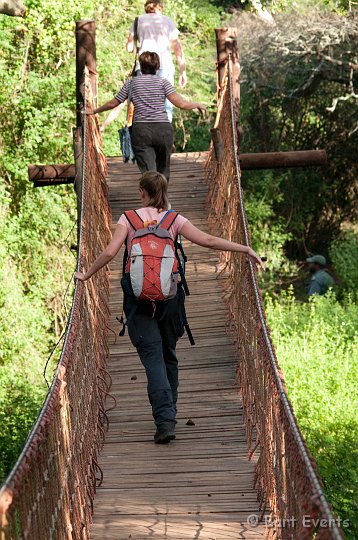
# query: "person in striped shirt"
{"type": "Point", "coordinates": [152, 133]}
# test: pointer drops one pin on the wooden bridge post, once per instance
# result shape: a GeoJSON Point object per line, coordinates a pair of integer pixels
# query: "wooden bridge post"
{"type": "Point", "coordinates": [85, 56]}
{"type": "Point", "coordinates": [226, 44]}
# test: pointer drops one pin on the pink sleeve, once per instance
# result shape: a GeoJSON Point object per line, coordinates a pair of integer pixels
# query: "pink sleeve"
{"type": "Point", "coordinates": [123, 221]}
{"type": "Point", "coordinates": [179, 222]}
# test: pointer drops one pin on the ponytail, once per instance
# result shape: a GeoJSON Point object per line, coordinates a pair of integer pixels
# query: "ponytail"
{"type": "Point", "coordinates": [156, 185]}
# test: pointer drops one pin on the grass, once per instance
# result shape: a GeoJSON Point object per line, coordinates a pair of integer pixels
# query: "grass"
{"type": "Point", "coordinates": [317, 347]}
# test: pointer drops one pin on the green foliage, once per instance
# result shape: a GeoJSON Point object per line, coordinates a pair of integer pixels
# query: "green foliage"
{"type": "Point", "coordinates": [344, 255]}
{"type": "Point", "coordinates": [268, 231]}
{"type": "Point", "coordinates": [305, 6]}
{"type": "Point", "coordinates": [24, 322]}
{"type": "Point", "coordinates": [21, 395]}
{"type": "Point", "coordinates": [317, 348]}
{"type": "Point", "coordinates": [36, 111]}
{"type": "Point", "coordinates": [295, 96]}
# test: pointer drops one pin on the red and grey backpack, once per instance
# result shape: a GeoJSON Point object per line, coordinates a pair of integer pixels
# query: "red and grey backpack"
{"type": "Point", "coordinates": [152, 261]}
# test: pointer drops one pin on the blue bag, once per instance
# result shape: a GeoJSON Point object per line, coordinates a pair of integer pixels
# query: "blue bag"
{"type": "Point", "coordinates": [125, 135]}
{"type": "Point", "coordinates": [126, 145]}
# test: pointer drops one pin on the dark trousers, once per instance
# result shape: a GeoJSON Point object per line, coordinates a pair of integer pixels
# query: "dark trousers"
{"type": "Point", "coordinates": [152, 143]}
{"type": "Point", "coordinates": [154, 333]}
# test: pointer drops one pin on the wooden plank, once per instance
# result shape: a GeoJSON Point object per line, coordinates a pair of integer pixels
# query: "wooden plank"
{"type": "Point", "coordinates": [222, 526]}
{"type": "Point", "coordinates": [201, 485]}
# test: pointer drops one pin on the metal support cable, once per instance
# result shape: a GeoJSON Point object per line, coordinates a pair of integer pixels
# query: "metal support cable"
{"type": "Point", "coordinates": [301, 445]}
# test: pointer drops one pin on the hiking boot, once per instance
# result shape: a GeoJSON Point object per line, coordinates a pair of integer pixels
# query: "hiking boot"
{"type": "Point", "coordinates": [165, 433]}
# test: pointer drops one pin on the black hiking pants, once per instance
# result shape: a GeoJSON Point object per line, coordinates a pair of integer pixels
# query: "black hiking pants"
{"type": "Point", "coordinates": [152, 143]}
{"type": "Point", "coordinates": [155, 332]}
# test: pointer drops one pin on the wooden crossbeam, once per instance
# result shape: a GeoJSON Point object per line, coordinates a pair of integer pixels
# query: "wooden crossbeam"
{"type": "Point", "coordinates": [39, 172]}
{"type": "Point", "coordinates": [276, 160]}
{"type": "Point", "coordinates": [52, 175]}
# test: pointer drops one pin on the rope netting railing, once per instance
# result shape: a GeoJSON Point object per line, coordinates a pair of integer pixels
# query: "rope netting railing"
{"type": "Point", "coordinates": [292, 503]}
{"type": "Point", "coordinates": [49, 493]}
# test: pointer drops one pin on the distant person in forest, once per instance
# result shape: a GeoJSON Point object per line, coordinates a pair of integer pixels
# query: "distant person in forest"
{"type": "Point", "coordinates": [155, 325]}
{"type": "Point", "coordinates": [152, 133]}
{"type": "Point", "coordinates": [321, 280]}
{"type": "Point", "coordinates": [156, 33]}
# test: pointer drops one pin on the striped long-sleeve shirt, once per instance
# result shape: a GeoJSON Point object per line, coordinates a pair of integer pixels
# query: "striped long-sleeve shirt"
{"type": "Point", "coordinates": [148, 94]}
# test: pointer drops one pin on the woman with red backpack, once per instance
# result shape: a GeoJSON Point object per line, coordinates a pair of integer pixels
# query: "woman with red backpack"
{"type": "Point", "coordinates": [153, 298]}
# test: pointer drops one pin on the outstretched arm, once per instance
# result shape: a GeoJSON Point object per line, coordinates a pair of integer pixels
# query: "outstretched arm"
{"type": "Point", "coordinates": [182, 103]}
{"type": "Point", "coordinates": [195, 235]}
{"type": "Point", "coordinates": [111, 104]}
{"type": "Point", "coordinates": [120, 234]}
{"type": "Point", "coordinates": [178, 51]}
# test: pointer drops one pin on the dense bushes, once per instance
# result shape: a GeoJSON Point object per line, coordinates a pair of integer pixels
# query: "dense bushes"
{"type": "Point", "coordinates": [344, 255]}
{"type": "Point", "coordinates": [297, 88]}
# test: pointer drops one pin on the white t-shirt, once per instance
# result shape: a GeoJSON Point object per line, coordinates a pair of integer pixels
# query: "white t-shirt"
{"type": "Point", "coordinates": [155, 32]}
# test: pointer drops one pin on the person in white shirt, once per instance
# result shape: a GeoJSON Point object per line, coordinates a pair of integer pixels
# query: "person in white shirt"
{"type": "Point", "coordinates": [156, 33]}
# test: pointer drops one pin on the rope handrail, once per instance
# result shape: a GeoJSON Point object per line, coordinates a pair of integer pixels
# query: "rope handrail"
{"type": "Point", "coordinates": [50, 490]}
{"type": "Point", "coordinates": [289, 500]}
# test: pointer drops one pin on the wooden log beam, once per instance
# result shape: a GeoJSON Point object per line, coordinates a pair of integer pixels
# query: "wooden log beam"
{"type": "Point", "coordinates": [285, 160]}
{"type": "Point", "coordinates": [226, 46]}
{"type": "Point", "coordinates": [52, 175]}
{"type": "Point", "coordinates": [218, 144]}
{"type": "Point", "coordinates": [78, 167]}
{"type": "Point", "coordinates": [48, 172]}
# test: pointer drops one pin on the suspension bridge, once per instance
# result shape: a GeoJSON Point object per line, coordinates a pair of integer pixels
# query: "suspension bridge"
{"type": "Point", "coordinates": [239, 467]}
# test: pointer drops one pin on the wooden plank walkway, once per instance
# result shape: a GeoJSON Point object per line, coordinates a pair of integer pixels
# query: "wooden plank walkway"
{"type": "Point", "coordinates": [200, 485]}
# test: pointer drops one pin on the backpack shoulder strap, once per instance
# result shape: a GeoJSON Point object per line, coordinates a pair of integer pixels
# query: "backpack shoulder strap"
{"type": "Point", "coordinates": [134, 219]}
{"type": "Point", "coordinates": [168, 220]}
